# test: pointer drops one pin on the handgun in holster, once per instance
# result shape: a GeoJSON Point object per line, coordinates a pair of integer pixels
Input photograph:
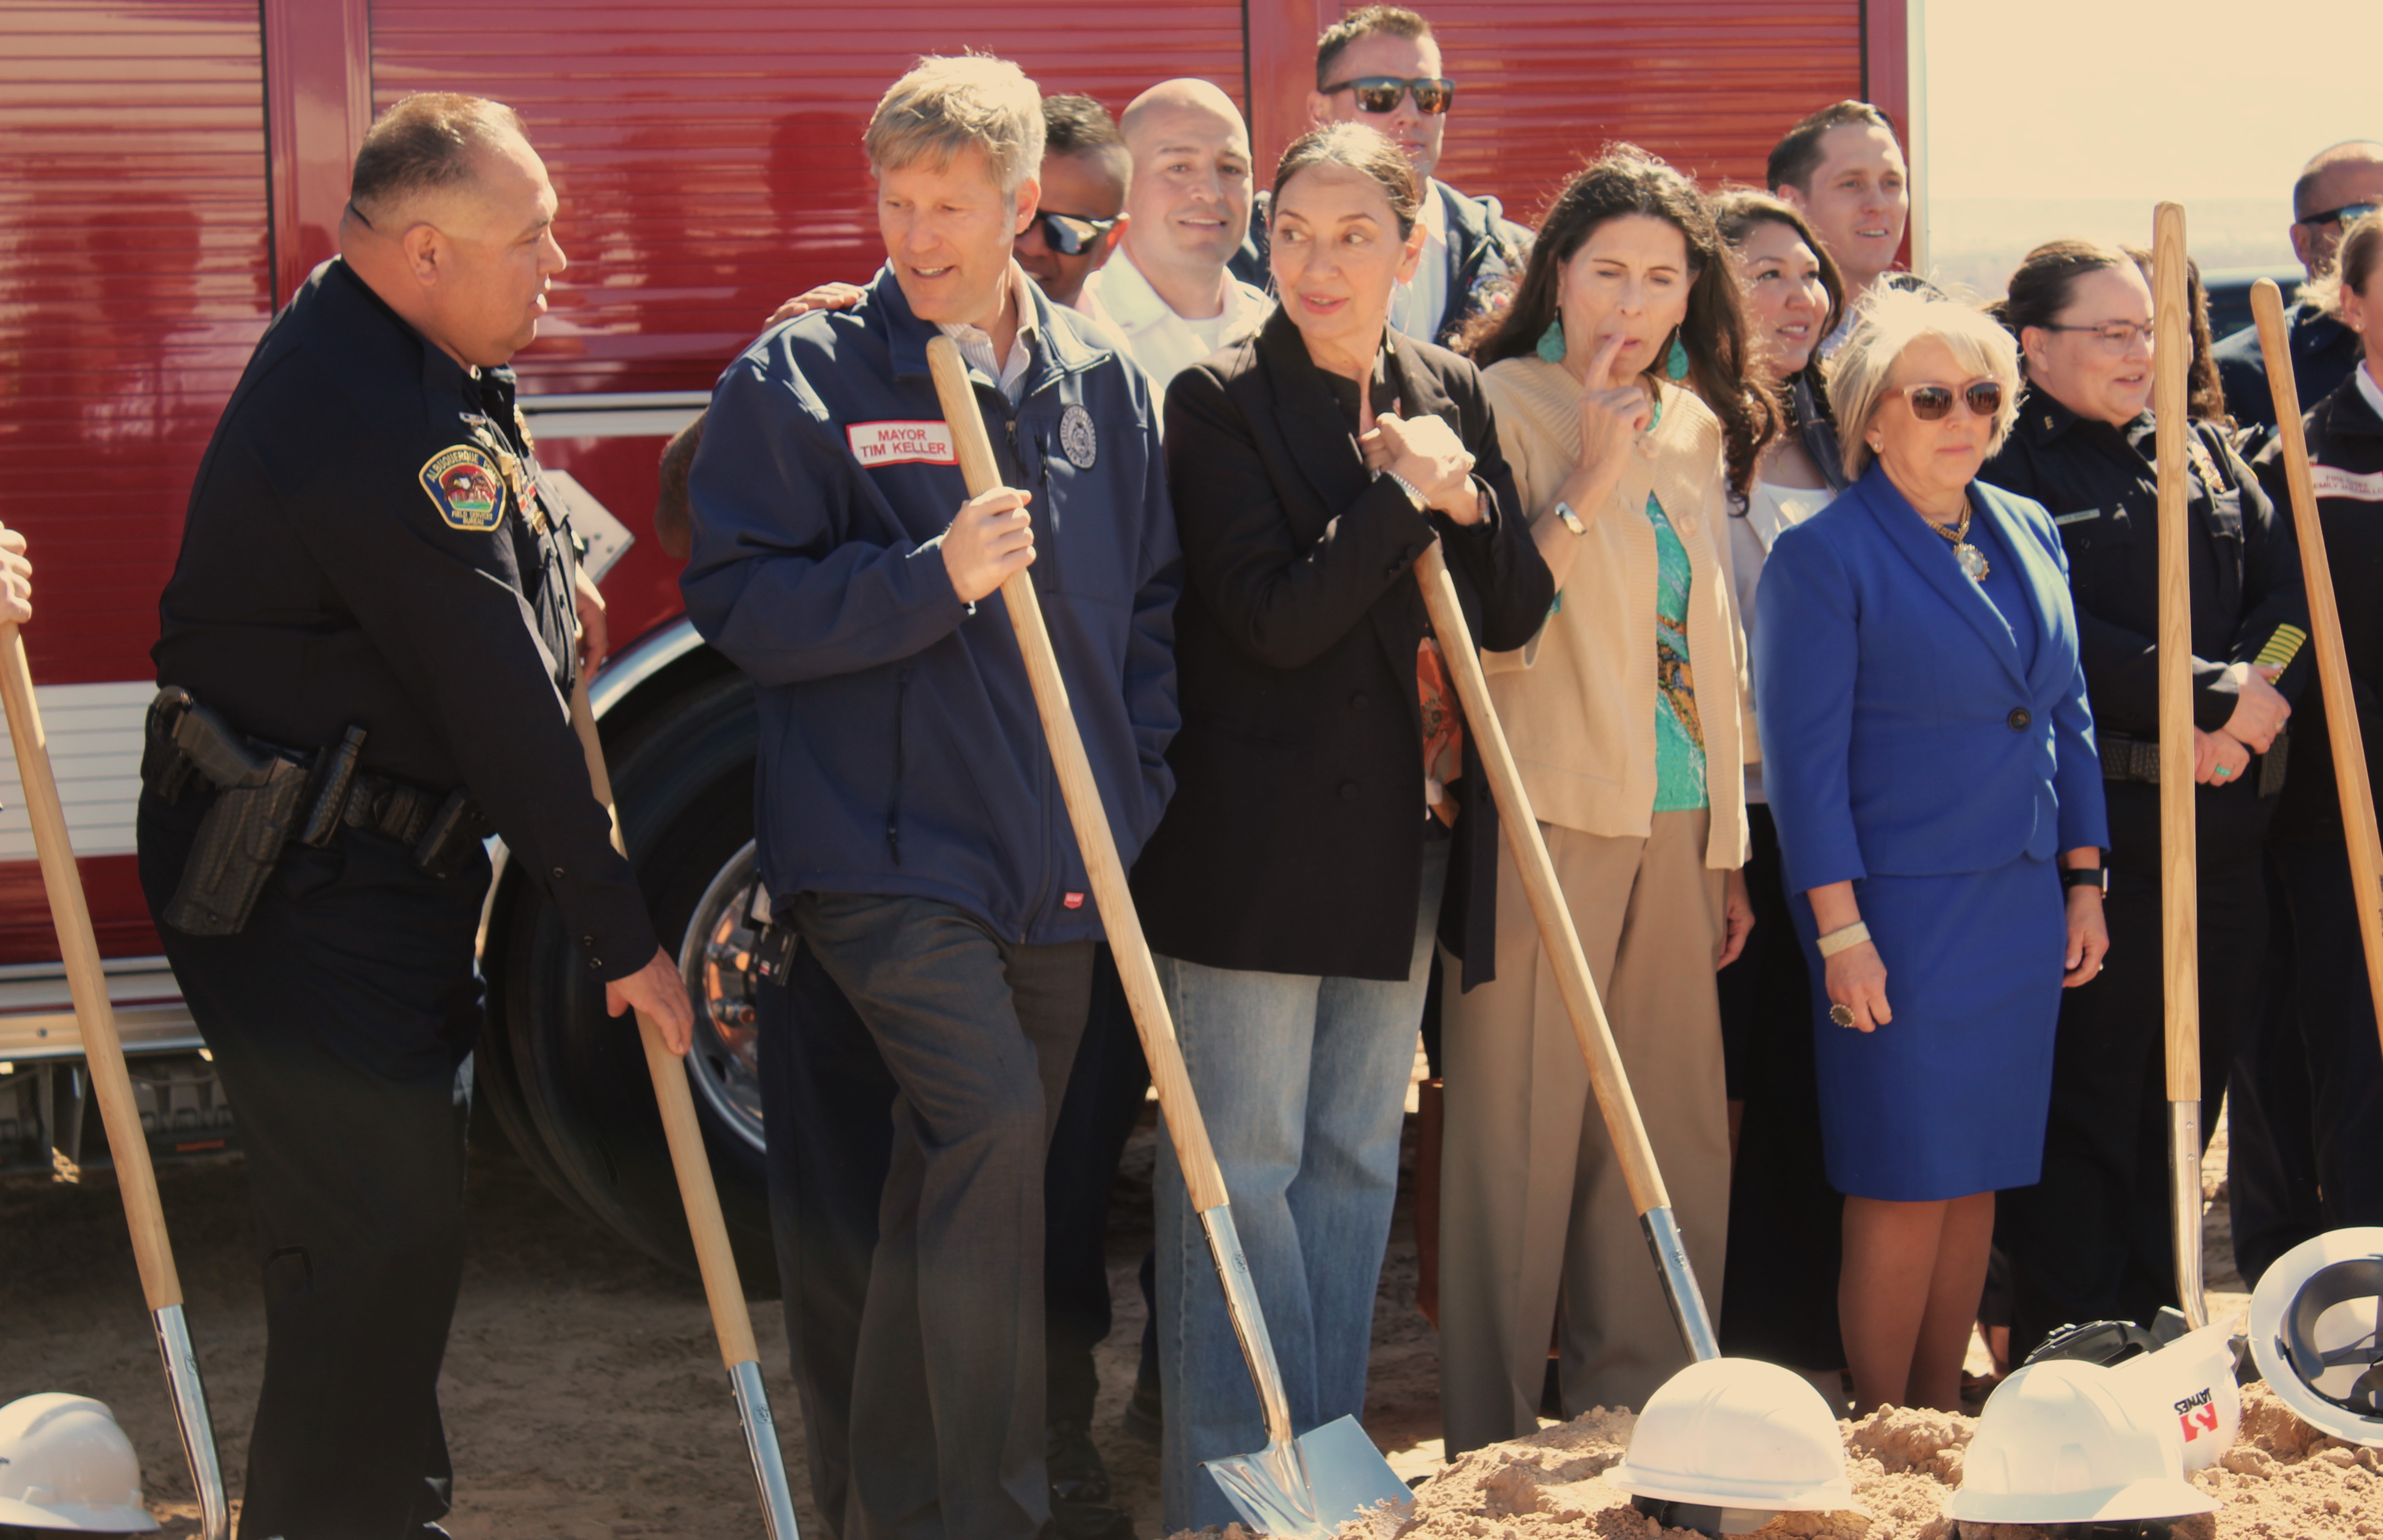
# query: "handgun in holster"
{"type": "Point", "coordinates": [265, 797]}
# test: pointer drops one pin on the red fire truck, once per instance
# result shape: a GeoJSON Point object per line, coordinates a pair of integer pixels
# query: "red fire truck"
{"type": "Point", "coordinates": [171, 170]}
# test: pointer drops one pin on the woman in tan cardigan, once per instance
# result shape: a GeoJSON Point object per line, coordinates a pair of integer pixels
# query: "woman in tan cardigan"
{"type": "Point", "coordinates": [1618, 379]}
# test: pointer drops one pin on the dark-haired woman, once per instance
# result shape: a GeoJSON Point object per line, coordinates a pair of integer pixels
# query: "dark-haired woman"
{"type": "Point", "coordinates": [2090, 1241]}
{"type": "Point", "coordinates": [1783, 1215]}
{"type": "Point", "coordinates": [1618, 376]}
{"type": "Point", "coordinates": [1326, 794]}
{"type": "Point", "coordinates": [2305, 1132]}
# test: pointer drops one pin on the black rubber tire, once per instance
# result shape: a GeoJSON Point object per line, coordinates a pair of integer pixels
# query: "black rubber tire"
{"type": "Point", "coordinates": [684, 776]}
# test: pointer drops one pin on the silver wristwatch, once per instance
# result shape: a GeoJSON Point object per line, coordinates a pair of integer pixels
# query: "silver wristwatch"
{"type": "Point", "coordinates": [1409, 488]}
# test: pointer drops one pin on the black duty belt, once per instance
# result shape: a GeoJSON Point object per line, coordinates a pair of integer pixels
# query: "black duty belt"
{"type": "Point", "coordinates": [2127, 757]}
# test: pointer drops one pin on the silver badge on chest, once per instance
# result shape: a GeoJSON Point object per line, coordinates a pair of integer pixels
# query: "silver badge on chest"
{"type": "Point", "coordinates": [1077, 440]}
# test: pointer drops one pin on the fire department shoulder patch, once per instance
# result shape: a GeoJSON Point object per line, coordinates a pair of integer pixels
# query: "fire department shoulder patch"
{"type": "Point", "coordinates": [463, 486]}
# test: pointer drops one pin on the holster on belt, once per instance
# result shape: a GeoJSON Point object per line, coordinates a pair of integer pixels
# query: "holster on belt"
{"type": "Point", "coordinates": [2126, 758]}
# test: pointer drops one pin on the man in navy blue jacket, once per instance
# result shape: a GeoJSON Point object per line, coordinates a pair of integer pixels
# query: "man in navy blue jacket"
{"type": "Point", "coordinates": [909, 824]}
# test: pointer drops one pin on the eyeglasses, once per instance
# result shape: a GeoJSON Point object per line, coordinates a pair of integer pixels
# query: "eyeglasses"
{"type": "Point", "coordinates": [1381, 93]}
{"type": "Point", "coordinates": [2116, 337]}
{"type": "Point", "coordinates": [1933, 403]}
{"type": "Point", "coordinates": [1072, 234]}
{"type": "Point", "coordinates": [2342, 216]}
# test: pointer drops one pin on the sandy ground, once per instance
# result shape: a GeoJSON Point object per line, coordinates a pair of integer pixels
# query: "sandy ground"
{"type": "Point", "coordinates": [583, 1393]}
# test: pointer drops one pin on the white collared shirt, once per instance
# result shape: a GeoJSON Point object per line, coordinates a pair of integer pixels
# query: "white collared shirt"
{"type": "Point", "coordinates": [1162, 342]}
{"type": "Point", "coordinates": [976, 343]}
{"type": "Point", "coordinates": [1417, 304]}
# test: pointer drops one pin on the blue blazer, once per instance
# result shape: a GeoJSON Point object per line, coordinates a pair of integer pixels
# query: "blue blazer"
{"type": "Point", "coordinates": [1899, 734]}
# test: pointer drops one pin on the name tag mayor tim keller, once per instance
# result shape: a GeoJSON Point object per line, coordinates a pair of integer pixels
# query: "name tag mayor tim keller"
{"type": "Point", "coordinates": [927, 443]}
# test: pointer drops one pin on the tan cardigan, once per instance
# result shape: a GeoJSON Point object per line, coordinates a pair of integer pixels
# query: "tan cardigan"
{"type": "Point", "coordinates": [1578, 701]}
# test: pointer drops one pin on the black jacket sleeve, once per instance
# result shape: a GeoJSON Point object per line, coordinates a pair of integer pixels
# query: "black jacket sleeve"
{"type": "Point", "coordinates": [2274, 595]}
{"type": "Point", "coordinates": [1498, 554]}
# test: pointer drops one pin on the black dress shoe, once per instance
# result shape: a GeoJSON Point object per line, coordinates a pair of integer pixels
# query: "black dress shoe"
{"type": "Point", "coordinates": [1074, 1465]}
{"type": "Point", "coordinates": [1089, 1521]}
{"type": "Point", "coordinates": [1145, 1415]}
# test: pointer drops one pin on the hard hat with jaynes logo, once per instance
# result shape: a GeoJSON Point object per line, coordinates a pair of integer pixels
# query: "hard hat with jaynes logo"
{"type": "Point", "coordinates": [66, 1465]}
{"type": "Point", "coordinates": [2056, 1444]}
{"type": "Point", "coordinates": [1730, 1443]}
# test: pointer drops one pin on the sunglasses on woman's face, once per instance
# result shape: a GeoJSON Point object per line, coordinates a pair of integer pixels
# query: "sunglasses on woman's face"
{"type": "Point", "coordinates": [1071, 234]}
{"type": "Point", "coordinates": [1381, 93]}
{"type": "Point", "coordinates": [1933, 403]}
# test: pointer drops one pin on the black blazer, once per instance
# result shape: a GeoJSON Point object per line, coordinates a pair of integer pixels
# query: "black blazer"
{"type": "Point", "coordinates": [1294, 840]}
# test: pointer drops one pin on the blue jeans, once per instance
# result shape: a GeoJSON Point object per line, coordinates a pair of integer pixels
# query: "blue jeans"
{"type": "Point", "coordinates": [1302, 1081]}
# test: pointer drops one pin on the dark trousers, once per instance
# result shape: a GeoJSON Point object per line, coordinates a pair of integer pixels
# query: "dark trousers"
{"type": "Point", "coordinates": [1103, 1099]}
{"type": "Point", "coordinates": [947, 1408]}
{"type": "Point", "coordinates": [341, 1019]}
{"type": "Point", "coordinates": [2091, 1240]}
{"type": "Point", "coordinates": [2305, 1127]}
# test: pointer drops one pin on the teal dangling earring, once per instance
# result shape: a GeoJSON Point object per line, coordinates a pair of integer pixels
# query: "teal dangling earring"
{"type": "Point", "coordinates": [1675, 364]}
{"type": "Point", "coordinates": [1552, 344]}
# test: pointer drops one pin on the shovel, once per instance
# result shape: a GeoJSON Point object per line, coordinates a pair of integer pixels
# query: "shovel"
{"type": "Point", "coordinates": [2325, 620]}
{"type": "Point", "coordinates": [725, 1292]}
{"type": "Point", "coordinates": [1307, 1486]}
{"type": "Point", "coordinates": [2179, 859]}
{"type": "Point", "coordinates": [1606, 1075]}
{"type": "Point", "coordinates": [103, 1052]}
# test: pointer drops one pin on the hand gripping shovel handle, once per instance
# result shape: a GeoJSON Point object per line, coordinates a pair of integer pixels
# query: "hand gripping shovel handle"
{"type": "Point", "coordinates": [1135, 970]}
{"type": "Point", "coordinates": [2179, 857]}
{"type": "Point", "coordinates": [725, 1293]}
{"type": "Point", "coordinates": [103, 1054]}
{"type": "Point", "coordinates": [2325, 620]}
{"type": "Point", "coordinates": [1606, 1077]}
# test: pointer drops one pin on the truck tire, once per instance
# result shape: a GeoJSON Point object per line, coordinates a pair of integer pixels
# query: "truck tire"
{"type": "Point", "coordinates": [684, 776]}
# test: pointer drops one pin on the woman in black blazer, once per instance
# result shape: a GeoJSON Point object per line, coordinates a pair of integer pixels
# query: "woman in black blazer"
{"type": "Point", "coordinates": [1329, 816]}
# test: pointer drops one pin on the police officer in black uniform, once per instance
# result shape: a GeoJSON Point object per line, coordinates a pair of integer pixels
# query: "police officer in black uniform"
{"type": "Point", "coordinates": [368, 645]}
{"type": "Point", "coordinates": [2090, 1241]}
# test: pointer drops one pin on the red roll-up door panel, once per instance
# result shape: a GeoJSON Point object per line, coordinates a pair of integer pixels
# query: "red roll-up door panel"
{"type": "Point", "coordinates": [708, 157]}
{"type": "Point", "coordinates": [1709, 87]}
{"type": "Point", "coordinates": [133, 286]}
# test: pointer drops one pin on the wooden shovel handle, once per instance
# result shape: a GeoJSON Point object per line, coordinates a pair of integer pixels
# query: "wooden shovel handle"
{"type": "Point", "coordinates": [95, 1015]}
{"type": "Point", "coordinates": [731, 1321]}
{"type": "Point", "coordinates": [2325, 623]}
{"type": "Point", "coordinates": [1558, 936]}
{"type": "Point", "coordinates": [1085, 812]}
{"type": "Point", "coordinates": [2179, 854]}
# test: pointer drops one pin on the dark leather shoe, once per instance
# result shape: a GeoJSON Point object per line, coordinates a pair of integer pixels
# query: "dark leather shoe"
{"type": "Point", "coordinates": [1076, 1472]}
{"type": "Point", "coordinates": [1089, 1521]}
{"type": "Point", "coordinates": [1145, 1415]}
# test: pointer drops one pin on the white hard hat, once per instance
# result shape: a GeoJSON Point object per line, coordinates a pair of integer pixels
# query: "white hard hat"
{"type": "Point", "coordinates": [2190, 1381]}
{"type": "Point", "coordinates": [2055, 1445]}
{"type": "Point", "coordinates": [2315, 1321]}
{"type": "Point", "coordinates": [64, 1464]}
{"type": "Point", "coordinates": [1747, 1438]}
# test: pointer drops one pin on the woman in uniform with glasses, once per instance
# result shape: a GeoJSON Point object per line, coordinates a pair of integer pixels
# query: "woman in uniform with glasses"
{"type": "Point", "coordinates": [1928, 755]}
{"type": "Point", "coordinates": [2090, 1242]}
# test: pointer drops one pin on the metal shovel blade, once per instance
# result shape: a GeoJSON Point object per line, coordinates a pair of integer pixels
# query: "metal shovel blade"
{"type": "Point", "coordinates": [1341, 1472]}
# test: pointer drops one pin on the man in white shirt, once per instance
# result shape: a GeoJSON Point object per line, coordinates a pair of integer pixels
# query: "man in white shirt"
{"type": "Point", "coordinates": [1167, 293]}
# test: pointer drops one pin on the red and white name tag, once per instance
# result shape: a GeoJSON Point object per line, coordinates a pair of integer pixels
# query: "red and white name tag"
{"type": "Point", "coordinates": [2331, 481]}
{"type": "Point", "coordinates": [876, 444]}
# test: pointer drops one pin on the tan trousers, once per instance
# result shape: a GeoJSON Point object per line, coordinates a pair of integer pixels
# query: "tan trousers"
{"type": "Point", "coordinates": [1532, 1207]}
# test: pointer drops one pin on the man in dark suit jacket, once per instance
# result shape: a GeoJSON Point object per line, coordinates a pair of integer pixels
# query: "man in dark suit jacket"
{"type": "Point", "coordinates": [2334, 187]}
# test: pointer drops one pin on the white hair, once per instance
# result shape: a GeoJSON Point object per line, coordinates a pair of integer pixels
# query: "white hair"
{"type": "Point", "coordinates": [1888, 322]}
{"type": "Point", "coordinates": [945, 105]}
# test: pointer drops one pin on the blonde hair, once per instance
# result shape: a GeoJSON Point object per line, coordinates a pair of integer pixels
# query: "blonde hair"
{"type": "Point", "coordinates": [945, 105]}
{"type": "Point", "coordinates": [1889, 321]}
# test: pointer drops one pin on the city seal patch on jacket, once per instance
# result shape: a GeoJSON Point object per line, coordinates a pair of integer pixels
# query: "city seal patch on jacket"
{"type": "Point", "coordinates": [463, 484]}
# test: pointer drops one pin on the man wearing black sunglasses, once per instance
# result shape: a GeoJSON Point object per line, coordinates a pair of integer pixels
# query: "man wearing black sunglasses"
{"type": "Point", "coordinates": [2337, 186]}
{"type": "Point", "coordinates": [1382, 67]}
{"type": "Point", "coordinates": [1079, 221]}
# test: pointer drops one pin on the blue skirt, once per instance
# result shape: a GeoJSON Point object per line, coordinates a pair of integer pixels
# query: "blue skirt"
{"type": "Point", "coordinates": [1950, 1097]}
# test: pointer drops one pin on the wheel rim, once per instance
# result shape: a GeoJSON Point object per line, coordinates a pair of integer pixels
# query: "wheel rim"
{"type": "Point", "coordinates": [716, 960]}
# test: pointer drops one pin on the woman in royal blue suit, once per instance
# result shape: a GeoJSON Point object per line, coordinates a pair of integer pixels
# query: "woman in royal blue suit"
{"type": "Point", "coordinates": [1928, 751]}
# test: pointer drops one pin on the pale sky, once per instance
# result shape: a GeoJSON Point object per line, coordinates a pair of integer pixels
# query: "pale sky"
{"type": "Point", "coordinates": [2123, 102]}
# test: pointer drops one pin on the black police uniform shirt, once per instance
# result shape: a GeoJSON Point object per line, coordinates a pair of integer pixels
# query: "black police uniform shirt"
{"type": "Point", "coordinates": [2322, 349]}
{"type": "Point", "coordinates": [2345, 447]}
{"type": "Point", "coordinates": [2101, 484]}
{"type": "Point", "coordinates": [367, 547]}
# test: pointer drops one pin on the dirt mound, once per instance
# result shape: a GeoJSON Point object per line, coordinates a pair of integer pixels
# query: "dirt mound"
{"type": "Point", "coordinates": [2282, 1481]}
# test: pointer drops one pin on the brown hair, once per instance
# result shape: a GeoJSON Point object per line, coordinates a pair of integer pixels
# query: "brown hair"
{"type": "Point", "coordinates": [2204, 392]}
{"type": "Point", "coordinates": [1737, 212]}
{"type": "Point", "coordinates": [1625, 181]}
{"type": "Point", "coordinates": [1797, 153]}
{"type": "Point", "coordinates": [1362, 150]}
{"type": "Point", "coordinates": [1388, 20]}
{"type": "Point", "coordinates": [426, 141]}
{"type": "Point", "coordinates": [2046, 282]}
